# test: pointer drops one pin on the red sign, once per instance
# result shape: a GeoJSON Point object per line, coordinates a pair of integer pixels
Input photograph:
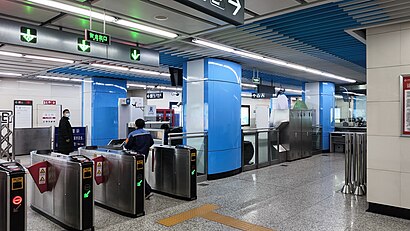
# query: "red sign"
{"type": "Point", "coordinates": [17, 200]}
{"type": "Point", "coordinates": [49, 102]}
{"type": "Point", "coordinates": [405, 105]}
{"type": "Point", "coordinates": [99, 170]}
{"type": "Point", "coordinates": [39, 172]}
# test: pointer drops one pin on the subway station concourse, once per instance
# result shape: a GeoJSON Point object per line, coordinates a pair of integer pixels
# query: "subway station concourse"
{"type": "Point", "coordinates": [264, 115]}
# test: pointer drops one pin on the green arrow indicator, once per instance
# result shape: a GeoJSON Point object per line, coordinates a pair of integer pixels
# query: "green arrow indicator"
{"type": "Point", "coordinates": [87, 194]}
{"type": "Point", "coordinates": [84, 45]}
{"type": "Point", "coordinates": [193, 172]}
{"type": "Point", "coordinates": [28, 35]}
{"type": "Point", "coordinates": [139, 183]}
{"type": "Point", "coordinates": [135, 54]}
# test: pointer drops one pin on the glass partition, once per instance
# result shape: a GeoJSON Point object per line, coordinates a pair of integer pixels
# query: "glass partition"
{"type": "Point", "coordinates": [249, 150]}
{"type": "Point", "coordinates": [263, 148]}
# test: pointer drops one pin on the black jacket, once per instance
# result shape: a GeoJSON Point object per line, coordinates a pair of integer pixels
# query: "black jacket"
{"type": "Point", "coordinates": [65, 136]}
{"type": "Point", "coordinates": [140, 143]}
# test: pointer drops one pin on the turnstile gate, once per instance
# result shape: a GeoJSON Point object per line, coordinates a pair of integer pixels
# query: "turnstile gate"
{"type": "Point", "coordinates": [122, 184]}
{"type": "Point", "coordinates": [172, 171]}
{"type": "Point", "coordinates": [64, 192]}
{"type": "Point", "coordinates": [13, 197]}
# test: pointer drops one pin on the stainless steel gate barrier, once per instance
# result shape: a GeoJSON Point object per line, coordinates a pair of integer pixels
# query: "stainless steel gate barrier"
{"type": "Point", "coordinates": [119, 177]}
{"type": "Point", "coordinates": [65, 189]}
{"type": "Point", "coordinates": [355, 164]}
{"type": "Point", "coordinates": [13, 197]}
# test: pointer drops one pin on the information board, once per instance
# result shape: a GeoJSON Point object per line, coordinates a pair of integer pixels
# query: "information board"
{"type": "Point", "coordinates": [405, 104]}
{"type": "Point", "coordinates": [23, 113]}
{"type": "Point", "coordinates": [79, 137]}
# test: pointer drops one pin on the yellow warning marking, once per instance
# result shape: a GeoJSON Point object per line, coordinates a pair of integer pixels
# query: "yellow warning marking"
{"type": "Point", "coordinates": [42, 170]}
{"type": "Point", "coordinates": [99, 164]}
{"type": "Point", "coordinates": [232, 222]}
{"type": "Point", "coordinates": [179, 218]}
{"type": "Point", "coordinates": [17, 183]}
{"type": "Point", "coordinates": [207, 212]}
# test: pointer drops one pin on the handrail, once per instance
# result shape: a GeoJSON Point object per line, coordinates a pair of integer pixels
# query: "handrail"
{"type": "Point", "coordinates": [260, 129]}
{"type": "Point", "coordinates": [187, 133]}
{"type": "Point", "coordinates": [185, 137]}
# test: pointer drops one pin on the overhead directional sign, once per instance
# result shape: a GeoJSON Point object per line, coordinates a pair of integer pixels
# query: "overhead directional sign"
{"type": "Point", "coordinates": [98, 37]}
{"type": "Point", "coordinates": [20, 34]}
{"type": "Point", "coordinates": [135, 54]}
{"type": "Point", "coordinates": [28, 35]}
{"type": "Point", "coordinates": [83, 45]}
{"type": "Point", "coordinates": [232, 11]}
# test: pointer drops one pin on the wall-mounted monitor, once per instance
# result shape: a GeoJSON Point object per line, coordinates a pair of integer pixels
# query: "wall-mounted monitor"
{"type": "Point", "coordinates": [245, 115]}
{"type": "Point", "coordinates": [176, 76]}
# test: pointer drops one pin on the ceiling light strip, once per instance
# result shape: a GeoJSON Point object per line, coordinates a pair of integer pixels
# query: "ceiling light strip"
{"type": "Point", "coordinates": [104, 17]}
{"type": "Point", "coordinates": [277, 62]}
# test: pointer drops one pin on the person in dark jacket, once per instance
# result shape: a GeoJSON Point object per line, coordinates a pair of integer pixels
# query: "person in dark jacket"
{"type": "Point", "coordinates": [140, 141]}
{"type": "Point", "coordinates": [65, 134]}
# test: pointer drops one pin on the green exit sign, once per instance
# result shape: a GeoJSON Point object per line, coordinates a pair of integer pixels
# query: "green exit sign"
{"type": "Point", "coordinates": [83, 45]}
{"type": "Point", "coordinates": [28, 35]}
{"type": "Point", "coordinates": [94, 36]}
{"type": "Point", "coordinates": [135, 54]}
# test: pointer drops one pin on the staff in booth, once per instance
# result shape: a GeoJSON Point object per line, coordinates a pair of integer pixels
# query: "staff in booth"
{"type": "Point", "coordinates": [65, 134]}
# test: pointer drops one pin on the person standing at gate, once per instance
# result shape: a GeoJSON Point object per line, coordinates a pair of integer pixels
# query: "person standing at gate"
{"type": "Point", "coordinates": [65, 134]}
{"type": "Point", "coordinates": [140, 141]}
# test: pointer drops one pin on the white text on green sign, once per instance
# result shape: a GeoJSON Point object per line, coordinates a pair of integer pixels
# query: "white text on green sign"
{"type": "Point", "coordinates": [98, 37]}
{"type": "Point", "coordinates": [135, 54]}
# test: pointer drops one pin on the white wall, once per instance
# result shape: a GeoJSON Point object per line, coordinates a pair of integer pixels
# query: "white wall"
{"type": "Point", "coordinates": [388, 50]}
{"type": "Point", "coordinates": [68, 95]}
{"type": "Point", "coordinates": [253, 103]}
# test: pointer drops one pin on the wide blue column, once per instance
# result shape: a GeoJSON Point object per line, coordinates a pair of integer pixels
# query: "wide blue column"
{"type": "Point", "coordinates": [100, 108]}
{"type": "Point", "coordinates": [320, 96]}
{"type": "Point", "coordinates": [212, 103]}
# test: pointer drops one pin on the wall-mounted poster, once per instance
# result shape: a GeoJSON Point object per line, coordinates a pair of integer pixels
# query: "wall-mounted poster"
{"type": "Point", "coordinates": [23, 113]}
{"type": "Point", "coordinates": [405, 104]}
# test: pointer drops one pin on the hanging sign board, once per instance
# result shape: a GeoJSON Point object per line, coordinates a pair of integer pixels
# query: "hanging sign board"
{"type": "Point", "coordinates": [405, 104]}
{"type": "Point", "coordinates": [23, 113]}
{"type": "Point", "coordinates": [158, 95]}
{"type": "Point", "coordinates": [97, 37]}
{"type": "Point", "coordinates": [261, 96]}
{"type": "Point", "coordinates": [232, 11]}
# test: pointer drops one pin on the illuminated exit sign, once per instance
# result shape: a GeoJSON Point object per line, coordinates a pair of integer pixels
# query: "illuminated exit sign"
{"type": "Point", "coordinates": [28, 35]}
{"type": "Point", "coordinates": [94, 36]}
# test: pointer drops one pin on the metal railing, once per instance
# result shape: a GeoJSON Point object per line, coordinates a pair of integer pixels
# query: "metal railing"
{"type": "Point", "coordinates": [355, 164]}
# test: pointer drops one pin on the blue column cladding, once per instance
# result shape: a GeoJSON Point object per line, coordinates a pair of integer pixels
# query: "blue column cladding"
{"type": "Point", "coordinates": [223, 97]}
{"type": "Point", "coordinates": [327, 105]}
{"type": "Point", "coordinates": [104, 108]}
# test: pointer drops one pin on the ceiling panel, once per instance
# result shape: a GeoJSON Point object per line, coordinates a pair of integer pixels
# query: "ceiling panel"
{"type": "Point", "coordinates": [81, 24]}
{"type": "Point", "coordinates": [188, 10]}
{"type": "Point", "coordinates": [25, 11]}
{"type": "Point", "coordinates": [267, 6]}
{"type": "Point", "coordinates": [147, 12]}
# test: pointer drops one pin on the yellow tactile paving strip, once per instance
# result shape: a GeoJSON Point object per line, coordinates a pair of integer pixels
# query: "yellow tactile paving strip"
{"type": "Point", "coordinates": [207, 212]}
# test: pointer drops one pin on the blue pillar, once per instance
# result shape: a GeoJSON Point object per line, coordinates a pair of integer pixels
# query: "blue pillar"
{"type": "Point", "coordinates": [100, 108]}
{"type": "Point", "coordinates": [212, 103]}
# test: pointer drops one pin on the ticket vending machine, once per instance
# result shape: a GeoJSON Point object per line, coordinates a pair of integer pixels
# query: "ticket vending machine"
{"type": "Point", "coordinates": [13, 198]}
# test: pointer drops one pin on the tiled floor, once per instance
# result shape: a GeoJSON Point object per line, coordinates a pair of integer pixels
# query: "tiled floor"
{"type": "Point", "coordinates": [302, 196]}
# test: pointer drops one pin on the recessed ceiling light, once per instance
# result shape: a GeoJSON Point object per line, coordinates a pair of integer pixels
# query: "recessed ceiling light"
{"type": "Point", "coordinates": [161, 18]}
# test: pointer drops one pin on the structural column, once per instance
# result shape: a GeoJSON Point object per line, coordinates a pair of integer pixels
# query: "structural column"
{"type": "Point", "coordinates": [320, 97]}
{"type": "Point", "coordinates": [100, 108]}
{"type": "Point", "coordinates": [212, 103]}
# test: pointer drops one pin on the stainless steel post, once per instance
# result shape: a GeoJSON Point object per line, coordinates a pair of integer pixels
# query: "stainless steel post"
{"type": "Point", "coordinates": [347, 188]}
{"type": "Point", "coordinates": [359, 187]}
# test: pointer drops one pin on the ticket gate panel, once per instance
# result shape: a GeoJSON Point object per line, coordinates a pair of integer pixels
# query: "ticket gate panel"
{"type": "Point", "coordinates": [13, 197]}
{"type": "Point", "coordinates": [172, 171]}
{"type": "Point", "coordinates": [70, 202]}
{"type": "Point", "coordinates": [122, 172]}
